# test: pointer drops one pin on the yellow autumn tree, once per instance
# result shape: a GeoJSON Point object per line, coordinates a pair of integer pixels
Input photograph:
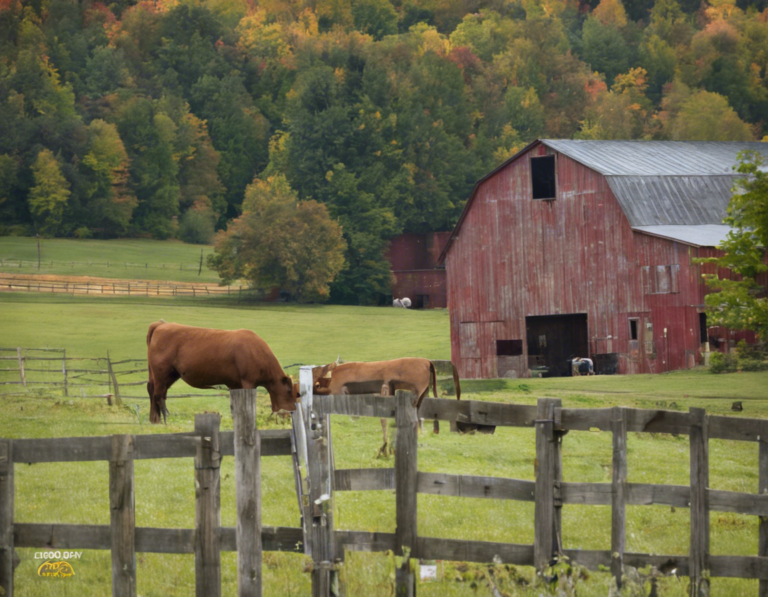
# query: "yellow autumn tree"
{"type": "Point", "coordinates": [611, 12]}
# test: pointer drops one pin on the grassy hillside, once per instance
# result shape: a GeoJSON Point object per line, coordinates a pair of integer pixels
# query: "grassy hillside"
{"type": "Point", "coordinates": [145, 259]}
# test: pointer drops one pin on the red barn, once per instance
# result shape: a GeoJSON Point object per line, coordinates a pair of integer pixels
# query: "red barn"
{"type": "Point", "coordinates": [414, 261]}
{"type": "Point", "coordinates": [586, 248]}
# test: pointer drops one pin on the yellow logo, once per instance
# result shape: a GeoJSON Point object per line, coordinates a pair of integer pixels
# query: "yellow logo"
{"type": "Point", "coordinates": [56, 570]}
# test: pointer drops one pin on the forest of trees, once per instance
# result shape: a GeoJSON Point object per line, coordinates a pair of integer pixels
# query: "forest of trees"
{"type": "Point", "coordinates": [153, 118]}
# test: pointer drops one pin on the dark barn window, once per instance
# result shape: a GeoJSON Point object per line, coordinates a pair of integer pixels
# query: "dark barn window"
{"type": "Point", "coordinates": [422, 301]}
{"type": "Point", "coordinates": [543, 177]}
{"type": "Point", "coordinates": [633, 329]}
{"type": "Point", "coordinates": [509, 348]}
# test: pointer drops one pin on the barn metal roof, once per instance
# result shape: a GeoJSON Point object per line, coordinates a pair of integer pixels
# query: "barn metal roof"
{"type": "Point", "coordinates": [672, 200]}
{"type": "Point", "coordinates": [659, 184]}
{"type": "Point", "coordinates": [698, 236]}
{"type": "Point", "coordinates": [656, 158]}
{"type": "Point", "coordinates": [663, 183]}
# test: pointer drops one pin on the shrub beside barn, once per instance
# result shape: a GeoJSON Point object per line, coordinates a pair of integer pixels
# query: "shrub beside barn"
{"type": "Point", "coordinates": [587, 248]}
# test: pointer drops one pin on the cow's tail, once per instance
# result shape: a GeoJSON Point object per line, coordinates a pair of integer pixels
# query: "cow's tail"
{"type": "Point", "coordinates": [456, 383]}
{"type": "Point", "coordinates": [156, 406]}
{"type": "Point", "coordinates": [152, 328]}
{"type": "Point", "coordinates": [434, 378]}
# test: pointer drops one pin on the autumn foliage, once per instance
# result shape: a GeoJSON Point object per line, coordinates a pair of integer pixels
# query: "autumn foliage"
{"type": "Point", "coordinates": [153, 118]}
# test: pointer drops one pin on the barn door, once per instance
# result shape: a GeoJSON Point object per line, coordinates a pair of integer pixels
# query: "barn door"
{"type": "Point", "coordinates": [555, 339]}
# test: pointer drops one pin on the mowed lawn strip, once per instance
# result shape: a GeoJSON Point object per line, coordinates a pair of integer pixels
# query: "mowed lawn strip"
{"type": "Point", "coordinates": [77, 492]}
{"type": "Point", "coordinates": [166, 260]}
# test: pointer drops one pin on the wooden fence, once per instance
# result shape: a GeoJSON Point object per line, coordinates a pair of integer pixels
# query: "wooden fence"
{"type": "Point", "coordinates": [117, 288]}
{"type": "Point", "coordinates": [23, 369]}
{"type": "Point", "coordinates": [549, 492]}
{"type": "Point", "coordinates": [6, 263]}
{"type": "Point", "coordinates": [207, 445]}
{"type": "Point", "coordinates": [317, 480]}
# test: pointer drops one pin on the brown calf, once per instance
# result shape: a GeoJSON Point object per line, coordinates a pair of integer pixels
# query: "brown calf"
{"type": "Point", "coordinates": [412, 374]}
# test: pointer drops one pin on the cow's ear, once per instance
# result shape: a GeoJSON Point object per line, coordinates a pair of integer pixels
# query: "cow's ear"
{"type": "Point", "coordinates": [287, 381]}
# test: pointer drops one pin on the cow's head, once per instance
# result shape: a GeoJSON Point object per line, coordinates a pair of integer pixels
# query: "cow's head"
{"type": "Point", "coordinates": [323, 372]}
{"type": "Point", "coordinates": [284, 394]}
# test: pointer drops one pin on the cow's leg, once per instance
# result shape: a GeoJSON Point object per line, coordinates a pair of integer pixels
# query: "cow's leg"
{"type": "Point", "coordinates": [150, 384]}
{"type": "Point", "coordinates": [160, 385]}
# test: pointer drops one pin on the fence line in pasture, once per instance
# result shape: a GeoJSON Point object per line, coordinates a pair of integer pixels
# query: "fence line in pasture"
{"type": "Point", "coordinates": [38, 265]}
{"type": "Point", "coordinates": [116, 288]}
{"type": "Point", "coordinates": [82, 377]}
{"type": "Point", "coordinates": [309, 442]}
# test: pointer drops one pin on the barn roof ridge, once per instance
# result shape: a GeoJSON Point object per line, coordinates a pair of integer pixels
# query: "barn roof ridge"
{"type": "Point", "coordinates": [666, 183]}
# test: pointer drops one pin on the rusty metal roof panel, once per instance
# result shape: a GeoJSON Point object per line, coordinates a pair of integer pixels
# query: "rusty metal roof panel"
{"type": "Point", "coordinates": [656, 158]}
{"type": "Point", "coordinates": [672, 200]}
{"type": "Point", "coordinates": [699, 236]}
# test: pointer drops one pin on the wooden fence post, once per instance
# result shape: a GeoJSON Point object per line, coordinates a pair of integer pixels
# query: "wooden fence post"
{"type": "Point", "coordinates": [762, 489]}
{"type": "Point", "coordinates": [247, 492]}
{"type": "Point", "coordinates": [64, 372]}
{"type": "Point", "coordinates": [21, 368]}
{"type": "Point", "coordinates": [406, 473]}
{"type": "Point", "coordinates": [6, 518]}
{"type": "Point", "coordinates": [548, 467]}
{"type": "Point", "coordinates": [319, 511]}
{"type": "Point", "coordinates": [618, 493]}
{"type": "Point", "coordinates": [123, 517]}
{"type": "Point", "coordinates": [300, 474]}
{"type": "Point", "coordinates": [113, 377]}
{"type": "Point", "coordinates": [208, 507]}
{"type": "Point", "coordinates": [699, 552]}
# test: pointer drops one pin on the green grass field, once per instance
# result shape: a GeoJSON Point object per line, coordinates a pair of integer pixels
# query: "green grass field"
{"type": "Point", "coordinates": [78, 493]}
{"type": "Point", "coordinates": [145, 259]}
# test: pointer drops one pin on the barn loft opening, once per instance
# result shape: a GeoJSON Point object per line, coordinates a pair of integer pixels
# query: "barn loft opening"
{"type": "Point", "coordinates": [703, 328]}
{"type": "Point", "coordinates": [543, 177]}
{"type": "Point", "coordinates": [633, 329]}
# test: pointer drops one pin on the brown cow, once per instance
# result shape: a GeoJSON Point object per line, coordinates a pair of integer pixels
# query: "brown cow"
{"type": "Point", "coordinates": [380, 377]}
{"type": "Point", "coordinates": [412, 374]}
{"type": "Point", "coordinates": [205, 358]}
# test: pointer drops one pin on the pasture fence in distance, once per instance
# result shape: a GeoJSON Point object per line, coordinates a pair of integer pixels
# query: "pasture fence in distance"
{"type": "Point", "coordinates": [6, 263]}
{"type": "Point", "coordinates": [28, 369]}
{"type": "Point", "coordinates": [121, 288]}
{"type": "Point", "coordinates": [317, 480]}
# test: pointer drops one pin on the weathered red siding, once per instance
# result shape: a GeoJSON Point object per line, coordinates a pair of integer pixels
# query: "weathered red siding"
{"type": "Point", "coordinates": [516, 257]}
{"type": "Point", "coordinates": [416, 251]}
{"type": "Point", "coordinates": [413, 258]}
{"type": "Point", "coordinates": [426, 283]}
